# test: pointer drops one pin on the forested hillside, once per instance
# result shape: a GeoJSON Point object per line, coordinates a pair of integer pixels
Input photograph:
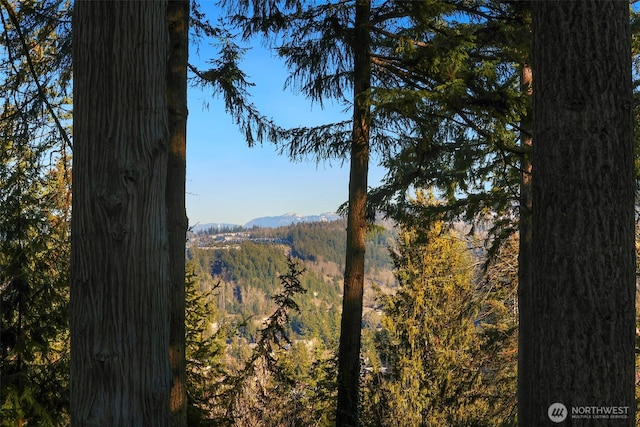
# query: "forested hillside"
{"type": "Point", "coordinates": [245, 265]}
{"type": "Point", "coordinates": [430, 313]}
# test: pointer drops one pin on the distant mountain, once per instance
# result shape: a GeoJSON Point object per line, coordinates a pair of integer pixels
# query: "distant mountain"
{"type": "Point", "coordinates": [290, 218]}
{"type": "Point", "coordinates": [269, 221]}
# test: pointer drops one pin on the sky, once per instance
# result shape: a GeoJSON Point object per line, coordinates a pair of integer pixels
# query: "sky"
{"type": "Point", "coordinates": [227, 182]}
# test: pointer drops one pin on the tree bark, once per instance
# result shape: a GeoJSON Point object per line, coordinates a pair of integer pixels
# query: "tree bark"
{"type": "Point", "coordinates": [178, 27]}
{"type": "Point", "coordinates": [120, 374]}
{"type": "Point", "coordinates": [351, 321]}
{"type": "Point", "coordinates": [583, 261]}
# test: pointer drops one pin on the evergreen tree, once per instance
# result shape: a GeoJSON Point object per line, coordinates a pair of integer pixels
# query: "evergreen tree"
{"type": "Point", "coordinates": [351, 321]}
{"type": "Point", "coordinates": [36, 70]}
{"type": "Point", "coordinates": [205, 341]}
{"type": "Point", "coordinates": [453, 95]}
{"type": "Point", "coordinates": [428, 343]}
{"type": "Point", "coordinates": [34, 260]}
{"type": "Point", "coordinates": [445, 351]}
{"type": "Point", "coordinates": [440, 99]}
{"type": "Point", "coordinates": [257, 392]}
{"type": "Point", "coordinates": [499, 332]}
{"type": "Point", "coordinates": [327, 48]}
{"type": "Point", "coordinates": [34, 213]}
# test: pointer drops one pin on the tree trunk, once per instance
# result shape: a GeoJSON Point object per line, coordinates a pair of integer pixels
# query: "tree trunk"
{"type": "Point", "coordinates": [583, 261]}
{"type": "Point", "coordinates": [524, 249]}
{"type": "Point", "coordinates": [351, 322]}
{"type": "Point", "coordinates": [120, 374]}
{"type": "Point", "coordinates": [178, 26]}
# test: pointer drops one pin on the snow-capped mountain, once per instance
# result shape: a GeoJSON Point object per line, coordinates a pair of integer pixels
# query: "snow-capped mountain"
{"type": "Point", "coordinates": [271, 221]}
{"type": "Point", "coordinates": [290, 218]}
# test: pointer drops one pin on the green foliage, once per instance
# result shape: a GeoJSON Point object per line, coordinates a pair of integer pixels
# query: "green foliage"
{"type": "Point", "coordinates": [252, 265]}
{"type": "Point", "coordinates": [445, 97]}
{"type": "Point", "coordinates": [278, 380]}
{"type": "Point", "coordinates": [205, 348]}
{"type": "Point", "coordinates": [34, 213]}
{"type": "Point", "coordinates": [36, 68]}
{"type": "Point", "coordinates": [498, 325]}
{"type": "Point", "coordinates": [318, 241]}
{"type": "Point", "coordinates": [247, 273]}
{"type": "Point", "coordinates": [34, 261]}
{"type": "Point", "coordinates": [225, 77]}
{"type": "Point", "coordinates": [457, 103]}
{"type": "Point", "coordinates": [326, 241]}
{"type": "Point", "coordinates": [446, 107]}
{"type": "Point", "coordinates": [428, 339]}
{"type": "Point", "coordinates": [444, 353]}
{"type": "Point", "coordinates": [276, 383]}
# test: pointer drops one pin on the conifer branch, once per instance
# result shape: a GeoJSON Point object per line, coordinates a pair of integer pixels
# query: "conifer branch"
{"type": "Point", "coordinates": [41, 92]}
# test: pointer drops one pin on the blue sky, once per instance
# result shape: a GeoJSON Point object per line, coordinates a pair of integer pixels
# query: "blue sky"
{"type": "Point", "coordinates": [228, 182]}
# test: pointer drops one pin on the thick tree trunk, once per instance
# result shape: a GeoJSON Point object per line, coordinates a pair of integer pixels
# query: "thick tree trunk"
{"type": "Point", "coordinates": [178, 26]}
{"type": "Point", "coordinates": [583, 261]}
{"type": "Point", "coordinates": [351, 322]}
{"type": "Point", "coordinates": [120, 374]}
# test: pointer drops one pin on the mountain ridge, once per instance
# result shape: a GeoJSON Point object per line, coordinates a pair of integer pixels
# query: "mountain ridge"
{"type": "Point", "coordinates": [285, 219]}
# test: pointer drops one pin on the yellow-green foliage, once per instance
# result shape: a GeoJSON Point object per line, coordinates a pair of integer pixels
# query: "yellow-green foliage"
{"type": "Point", "coordinates": [429, 333]}
{"type": "Point", "coordinates": [432, 348]}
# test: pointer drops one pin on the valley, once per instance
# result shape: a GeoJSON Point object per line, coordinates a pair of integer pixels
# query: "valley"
{"type": "Point", "coordinates": [240, 268]}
